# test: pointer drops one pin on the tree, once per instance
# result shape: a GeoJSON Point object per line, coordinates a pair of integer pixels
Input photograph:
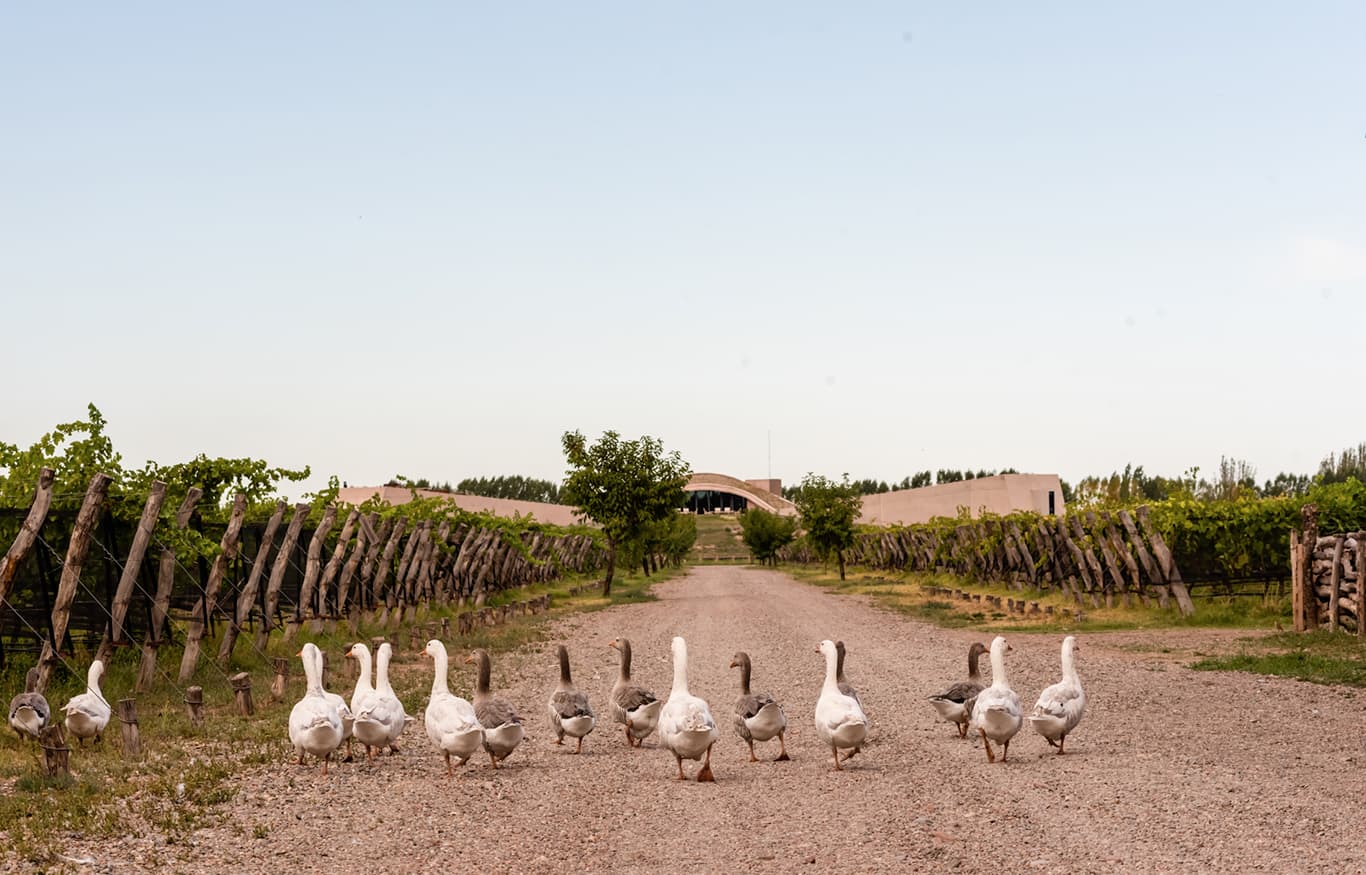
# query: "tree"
{"type": "Point", "coordinates": [828, 511]}
{"type": "Point", "coordinates": [624, 486]}
{"type": "Point", "coordinates": [765, 534]}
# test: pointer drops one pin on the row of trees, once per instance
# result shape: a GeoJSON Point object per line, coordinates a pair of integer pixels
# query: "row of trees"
{"type": "Point", "coordinates": [828, 510]}
{"type": "Point", "coordinates": [513, 486]}
{"type": "Point", "coordinates": [868, 486]}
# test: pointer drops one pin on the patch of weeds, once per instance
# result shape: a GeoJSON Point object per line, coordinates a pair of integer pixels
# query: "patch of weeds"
{"type": "Point", "coordinates": [1316, 657]}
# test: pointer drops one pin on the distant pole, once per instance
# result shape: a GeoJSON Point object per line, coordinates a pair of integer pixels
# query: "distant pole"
{"type": "Point", "coordinates": [770, 454]}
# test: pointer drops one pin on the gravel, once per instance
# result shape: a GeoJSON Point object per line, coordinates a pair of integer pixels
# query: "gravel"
{"type": "Point", "coordinates": [1171, 770]}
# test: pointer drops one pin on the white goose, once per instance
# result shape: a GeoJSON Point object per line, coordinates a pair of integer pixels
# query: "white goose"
{"type": "Point", "coordinates": [685, 723]}
{"type": "Point", "coordinates": [365, 728]}
{"type": "Point", "coordinates": [315, 726]}
{"type": "Point", "coordinates": [348, 719]}
{"type": "Point", "coordinates": [996, 714]}
{"type": "Point", "coordinates": [392, 713]}
{"type": "Point", "coordinates": [570, 713]}
{"type": "Point", "coordinates": [1060, 707]}
{"type": "Point", "coordinates": [633, 706]}
{"type": "Point", "coordinates": [88, 713]}
{"type": "Point", "coordinates": [28, 711]}
{"type": "Point", "coordinates": [840, 721]}
{"type": "Point", "coordinates": [451, 723]}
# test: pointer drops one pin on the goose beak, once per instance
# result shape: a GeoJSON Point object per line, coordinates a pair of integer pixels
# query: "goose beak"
{"type": "Point", "coordinates": [300, 653]}
{"type": "Point", "coordinates": [733, 663]}
{"type": "Point", "coordinates": [348, 653]}
{"type": "Point", "coordinates": [469, 660]}
{"type": "Point", "coordinates": [424, 654]}
{"type": "Point", "coordinates": [612, 644]}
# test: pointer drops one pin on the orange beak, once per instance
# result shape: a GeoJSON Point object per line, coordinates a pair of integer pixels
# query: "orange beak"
{"type": "Point", "coordinates": [469, 660]}
{"type": "Point", "coordinates": [733, 663]}
{"type": "Point", "coordinates": [300, 653]}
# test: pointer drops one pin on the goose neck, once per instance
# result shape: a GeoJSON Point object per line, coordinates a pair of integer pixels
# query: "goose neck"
{"type": "Point", "coordinates": [485, 672]}
{"type": "Point", "coordinates": [439, 661]}
{"type": "Point", "coordinates": [625, 648]}
{"type": "Point", "coordinates": [363, 657]}
{"type": "Point", "coordinates": [565, 679]}
{"type": "Point", "coordinates": [382, 670]}
{"type": "Point", "coordinates": [974, 669]}
{"type": "Point", "coordinates": [680, 669]}
{"type": "Point", "coordinates": [744, 675]}
{"type": "Point", "coordinates": [831, 684]}
{"type": "Point", "coordinates": [998, 668]}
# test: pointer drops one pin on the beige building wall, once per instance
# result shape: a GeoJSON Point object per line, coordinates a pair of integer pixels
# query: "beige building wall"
{"type": "Point", "coordinates": [554, 514]}
{"type": "Point", "coordinates": [1002, 494]}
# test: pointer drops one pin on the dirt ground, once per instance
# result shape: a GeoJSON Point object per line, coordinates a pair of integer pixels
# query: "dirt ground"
{"type": "Point", "coordinates": [1171, 770]}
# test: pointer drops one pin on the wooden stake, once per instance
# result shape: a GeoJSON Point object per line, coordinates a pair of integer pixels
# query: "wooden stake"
{"type": "Point", "coordinates": [128, 720]}
{"type": "Point", "coordinates": [227, 550]}
{"type": "Point", "coordinates": [307, 605]}
{"type": "Point", "coordinates": [277, 575]}
{"type": "Point", "coordinates": [28, 533]}
{"type": "Point", "coordinates": [123, 594]}
{"type": "Point", "coordinates": [1167, 563]}
{"type": "Point", "coordinates": [71, 574]}
{"type": "Point", "coordinates": [162, 604]}
{"type": "Point", "coordinates": [1335, 584]}
{"type": "Point", "coordinates": [1296, 588]}
{"type": "Point", "coordinates": [247, 598]}
{"type": "Point", "coordinates": [277, 686]}
{"type": "Point", "coordinates": [194, 705]}
{"type": "Point", "coordinates": [241, 691]}
{"type": "Point", "coordinates": [56, 754]}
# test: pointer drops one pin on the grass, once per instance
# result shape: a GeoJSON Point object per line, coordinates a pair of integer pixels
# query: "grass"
{"type": "Point", "coordinates": [1320, 657]}
{"type": "Point", "coordinates": [186, 773]}
{"type": "Point", "coordinates": [718, 539]}
{"type": "Point", "coordinates": [910, 593]}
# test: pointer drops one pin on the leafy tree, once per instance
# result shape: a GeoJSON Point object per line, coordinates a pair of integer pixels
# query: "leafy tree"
{"type": "Point", "coordinates": [514, 487]}
{"type": "Point", "coordinates": [75, 451]}
{"type": "Point", "coordinates": [667, 540]}
{"type": "Point", "coordinates": [622, 485]}
{"type": "Point", "coordinates": [1341, 467]}
{"type": "Point", "coordinates": [766, 534]}
{"type": "Point", "coordinates": [828, 511]}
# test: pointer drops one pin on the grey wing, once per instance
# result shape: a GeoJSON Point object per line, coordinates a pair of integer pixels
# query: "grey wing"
{"type": "Point", "coordinates": [961, 692]}
{"type": "Point", "coordinates": [32, 700]}
{"type": "Point", "coordinates": [632, 698]}
{"type": "Point", "coordinates": [571, 703]}
{"type": "Point", "coordinates": [848, 690]}
{"type": "Point", "coordinates": [494, 713]}
{"type": "Point", "coordinates": [748, 706]}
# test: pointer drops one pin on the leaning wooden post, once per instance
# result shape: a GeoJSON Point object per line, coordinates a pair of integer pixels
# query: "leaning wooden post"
{"type": "Point", "coordinates": [277, 686]}
{"type": "Point", "coordinates": [71, 574]}
{"type": "Point", "coordinates": [194, 705]}
{"type": "Point", "coordinates": [277, 575]}
{"type": "Point", "coordinates": [1296, 588]}
{"type": "Point", "coordinates": [203, 609]}
{"type": "Point", "coordinates": [56, 754]}
{"type": "Point", "coordinates": [123, 594]}
{"type": "Point", "coordinates": [162, 603]}
{"type": "Point", "coordinates": [312, 571]}
{"type": "Point", "coordinates": [1335, 584]}
{"type": "Point", "coordinates": [128, 723]}
{"type": "Point", "coordinates": [334, 566]}
{"type": "Point", "coordinates": [1167, 562]}
{"type": "Point", "coordinates": [241, 691]}
{"type": "Point", "coordinates": [28, 533]}
{"type": "Point", "coordinates": [1309, 516]}
{"type": "Point", "coordinates": [247, 597]}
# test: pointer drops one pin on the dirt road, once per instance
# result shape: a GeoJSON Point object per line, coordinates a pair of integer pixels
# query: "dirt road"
{"type": "Point", "coordinates": [1171, 770]}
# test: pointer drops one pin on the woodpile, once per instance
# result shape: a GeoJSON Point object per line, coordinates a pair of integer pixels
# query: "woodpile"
{"type": "Point", "coordinates": [1333, 569]}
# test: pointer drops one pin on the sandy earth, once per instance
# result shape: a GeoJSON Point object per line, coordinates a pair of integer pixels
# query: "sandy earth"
{"type": "Point", "coordinates": [1171, 770]}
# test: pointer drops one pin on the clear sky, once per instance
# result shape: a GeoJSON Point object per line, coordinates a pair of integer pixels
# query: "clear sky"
{"type": "Point", "coordinates": [429, 238]}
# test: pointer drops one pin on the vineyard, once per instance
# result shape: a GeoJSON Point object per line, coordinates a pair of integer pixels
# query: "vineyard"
{"type": "Point", "coordinates": [96, 579]}
{"type": "Point", "coordinates": [1158, 553]}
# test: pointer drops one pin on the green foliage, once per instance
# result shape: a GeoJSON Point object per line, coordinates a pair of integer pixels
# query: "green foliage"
{"type": "Point", "coordinates": [828, 511]}
{"type": "Point", "coordinates": [75, 451]}
{"type": "Point", "coordinates": [220, 479]}
{"type": "Point", "coordinates": [1318, 657]}
{"type": "Point", "coordinates": [766, 533]}
{"type": "Point", "coordinates": [1344, 466]}
{"type": "Point", "coordinates": [624, 486]}
{"type": "Point", "coordinates": [515, 487]}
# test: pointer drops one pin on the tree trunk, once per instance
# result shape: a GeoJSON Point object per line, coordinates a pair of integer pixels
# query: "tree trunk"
{"type": "Point", "coordinates": [611, 567]}
{"type": "Point", "coordinates": [839, 556]}
{"type": "Point", "coordinates": [81, 535]}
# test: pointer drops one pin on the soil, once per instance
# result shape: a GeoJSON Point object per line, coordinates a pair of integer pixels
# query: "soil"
{"type": "Point", "coordinates": [1171, 770]}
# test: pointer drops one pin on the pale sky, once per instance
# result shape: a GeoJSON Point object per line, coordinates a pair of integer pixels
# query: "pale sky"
{"type": "Point", "coordinates": [429, 238]}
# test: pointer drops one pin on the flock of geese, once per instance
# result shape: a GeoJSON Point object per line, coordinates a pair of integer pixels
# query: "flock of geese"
{"type": "Point", "coordinates": [322, 722]}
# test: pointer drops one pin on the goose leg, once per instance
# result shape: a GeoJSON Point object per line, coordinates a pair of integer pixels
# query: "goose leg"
{"type": "Point", "coordinates": [1061, 742]}
{"type": "Point", "coordinates": [681, 776]}
{"type": "Point", "coordinates": [962, 730]}
{"type": "Point", "coordinates": [326, 760]}
{"type": "Point", "coordinates": [991, 757]}
{"type": "Point", "coordinates": [450, 771]}
{"type": "Point", "coordinates": [752, 757]}
{"type": "Point", "coordinates": [1005, 749]}
{"type": "Point", "coordinates": [579, 749]}
{"type": "Point", "coordinates": [627, 729]}
{"type": "Point", "coordinates": [782, 750]}
{"type": "Point", "coordinates": [836, 751]}
{"type": "Point", "coordinates": [493, 759]}
{"type": "Point", "coordinates": [705, 773]}
{"type": "Point", "coordinates": [349, 756]}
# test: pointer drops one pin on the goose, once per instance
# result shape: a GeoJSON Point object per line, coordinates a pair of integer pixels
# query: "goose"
{"type": "Point", "coordinates": [502, 727]}
{"type": "Point", "coordinates": [315, 725]}
{"type": "Point", "coordinates": [955, 704]}
{"type": "Point", "coordinates": [633, 706]}
{"type": "Point", "coordinates": [757, 716]}
{"type": "Point", "coordinates": [365, 726]}
{"type": "Point", "coordinates": [685, 723]}
{"type": "Point", "coordinates": [451, 722]}
{"type": "Point", "coordinates": [996, 714]}
{"type": "Point", "coordinates": [1060, 706]}
{"type": "Point", "coordinates": [348, 719]}
{"type": "Point", "coordinates": [570, 713]}
{"type": "Point", "coordinates": [395, 718]}
{"type": "Point", "coordinates": [840, 721]}
{"type": "Point", "coordinates": [847, 688]}
{"type": "Point", "coordinates": [88, 713]}
{"type": "Point", "coordinates": [28, 711]}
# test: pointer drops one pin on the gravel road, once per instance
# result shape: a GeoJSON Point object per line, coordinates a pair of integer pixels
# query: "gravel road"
{"type": "Point", "coordinates": [1171, 770]}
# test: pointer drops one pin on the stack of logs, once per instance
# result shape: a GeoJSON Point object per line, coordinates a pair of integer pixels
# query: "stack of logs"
{"type": "Point", "coordinates": [1332, 571]}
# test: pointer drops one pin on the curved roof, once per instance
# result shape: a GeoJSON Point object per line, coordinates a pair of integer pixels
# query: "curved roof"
{"type": "Point", "coordinates": [761, 498]}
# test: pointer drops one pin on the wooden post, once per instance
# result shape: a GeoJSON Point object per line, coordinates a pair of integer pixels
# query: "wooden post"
{"type": "Point", "coordinates": [364, 534]}
{"type": "Point", "coordinates": [28, 534]}
{"type": "Point", "coordinates": [386, 559]}
{"type": "Point", "coordinates": [194, 705]}
{"type": "Point", "coordinates": [1296, 587]}
{"type": "Point", "coordinates": [1155, 579]}
{"type": "Point", "coordinates": [56, 754]}
{"type": "Point", "coordinates": [227, 550]}
{"type": "Point", "coordinates": [162, 604]}
{"type": "Point", "coordinates": [334, 565]}
{"type": "Point", "coordinates": [277, 575]}
{"type": "Point", "coordinates": [123, 594]}
{"type": "Point", "coordinates": [128, 720]}
{"type": "Point", "coordinates": [277, 685]}
{"type": "Point", "coordinates": [71, 574]}
{"type": "Point", "coordinates": [1335, 584]}
{"type": "Point", "coordinates": [247, 597]}
{"type": "Point", "coordinates": [1309, 517]}
{"type": "Point", "coordinates": [241, 691]}
{"type": "Point", "coordinates": [307, 605]}
{"type": "Point", "coordinates": [1167, 562]}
